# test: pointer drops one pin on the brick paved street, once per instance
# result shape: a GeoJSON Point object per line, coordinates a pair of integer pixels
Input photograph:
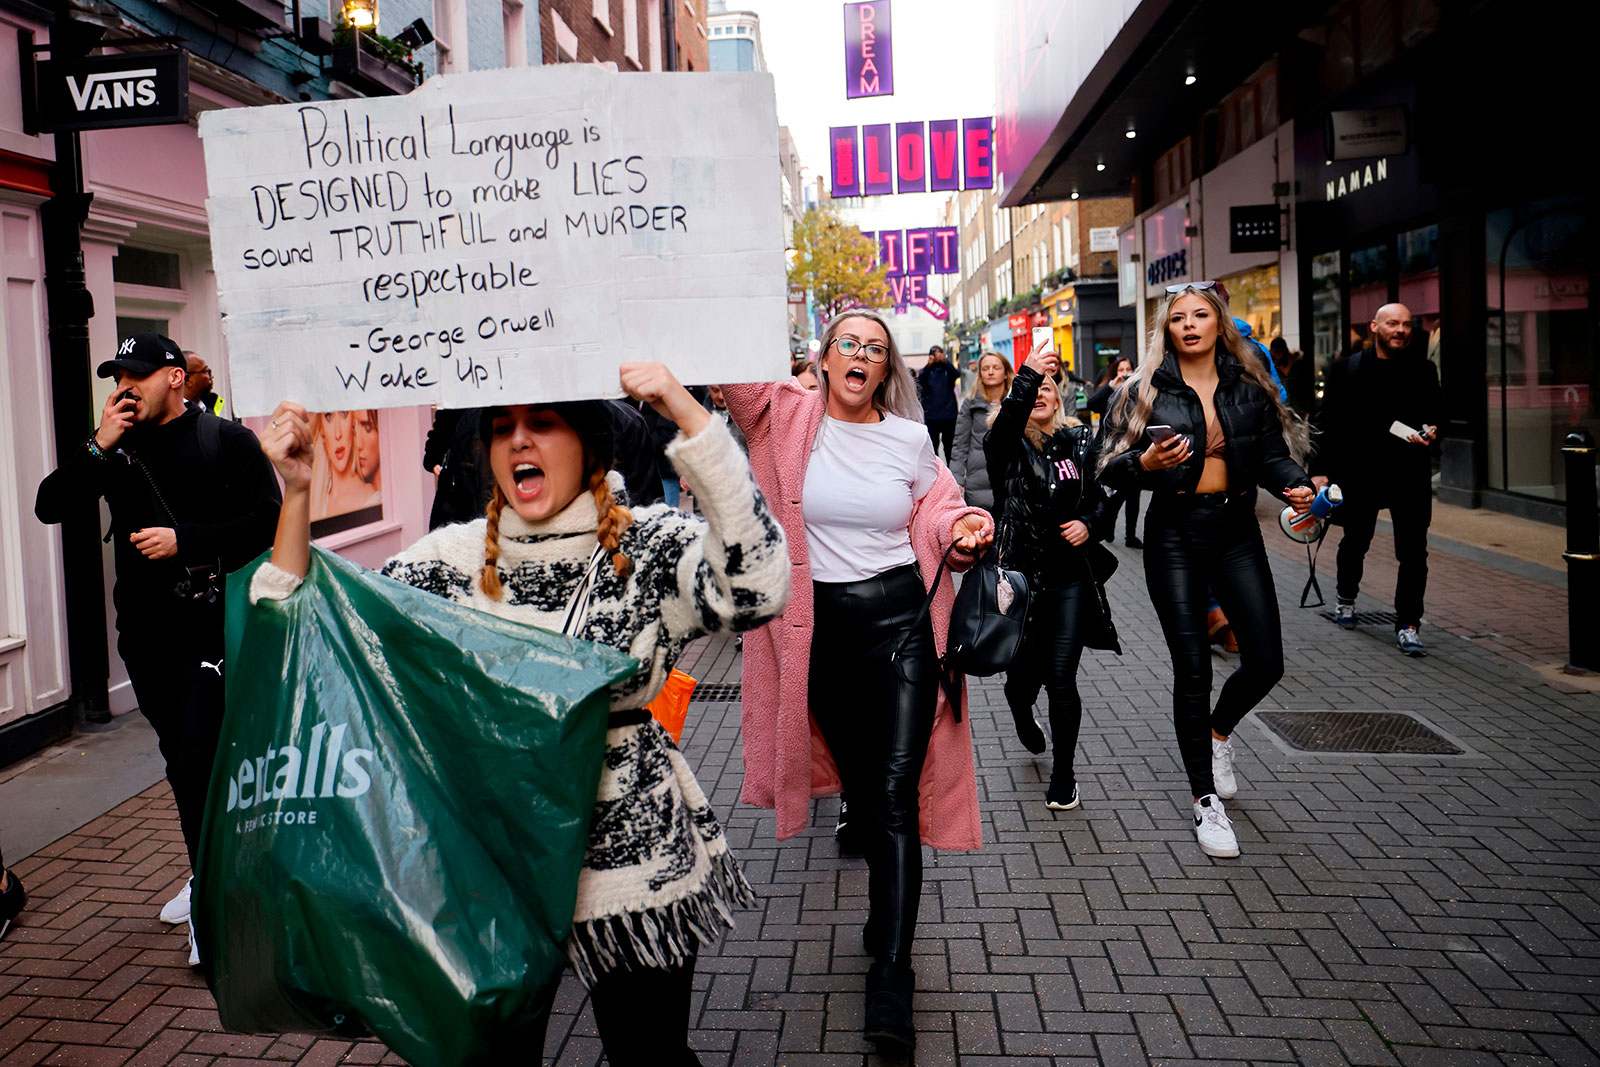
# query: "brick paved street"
{"type": "Point", "coordinates": [1410, 910]}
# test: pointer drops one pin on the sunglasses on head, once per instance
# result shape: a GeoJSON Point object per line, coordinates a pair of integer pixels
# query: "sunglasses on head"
{"type": "Point", "coordinates": [1181, 286]}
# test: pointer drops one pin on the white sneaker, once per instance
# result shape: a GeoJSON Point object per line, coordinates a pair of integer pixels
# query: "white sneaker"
{"type": "Point", "coordinates": [194, 947]}
{"type": "Point", "coordinates": [1213, 829]}
{"type": "Point", "coordinates": [176, 910]}
{"type": "Point", "coordinates": [1222, 768]}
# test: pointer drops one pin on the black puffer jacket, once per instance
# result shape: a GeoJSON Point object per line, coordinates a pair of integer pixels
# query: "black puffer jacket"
{"type": "Point", "coordinates": [1037, 490]}
{"type": "Point", "coordinates": [1254, 450]}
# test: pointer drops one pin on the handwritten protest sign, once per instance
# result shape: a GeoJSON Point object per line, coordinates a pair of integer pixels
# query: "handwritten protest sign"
{"type": "Point", "coordinates": [502, 236]}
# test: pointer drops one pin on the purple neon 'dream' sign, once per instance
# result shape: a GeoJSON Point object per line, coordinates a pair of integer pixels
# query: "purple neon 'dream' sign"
{"type": "Point", "coordinates": [868, 50]}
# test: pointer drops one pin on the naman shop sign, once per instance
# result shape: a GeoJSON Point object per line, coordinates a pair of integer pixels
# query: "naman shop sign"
{"type": "Point", "coordinates": [504, 236]}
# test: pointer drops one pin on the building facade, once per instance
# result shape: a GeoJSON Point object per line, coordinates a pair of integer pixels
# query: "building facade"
{"type": "Point", "coordinates": [1324, 159]}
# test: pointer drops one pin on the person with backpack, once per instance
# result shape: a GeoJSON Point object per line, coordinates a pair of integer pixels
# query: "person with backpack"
{"type": "Point", "coordinates": [191, 498]}
{"type": "Point", "coordinates": [1050, 508]}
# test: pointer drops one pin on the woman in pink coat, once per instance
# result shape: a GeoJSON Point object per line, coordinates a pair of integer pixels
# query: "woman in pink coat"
{"type": "Point", "coordinates": [843, 688]}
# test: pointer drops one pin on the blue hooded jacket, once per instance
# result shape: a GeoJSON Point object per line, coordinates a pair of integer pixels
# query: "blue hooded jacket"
{"type": "Point", "coordinates": [1266, 356]}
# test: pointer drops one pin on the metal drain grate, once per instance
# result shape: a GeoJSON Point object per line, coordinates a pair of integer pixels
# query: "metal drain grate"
{"type": "Point", "coordinates": [1357, 731]}
{"type": "Point", "coordinates": [1369, 618]}
{"type": "Point", "coordinates": [715, 692]}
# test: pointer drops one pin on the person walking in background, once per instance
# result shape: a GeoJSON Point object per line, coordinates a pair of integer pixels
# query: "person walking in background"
{"type": "Point", "coordinates": [937, 386]}
{"type": "Point", "coordinates": [1127, 497]}
{"type": "Point", "coordinates": [1043, 472]}
{"type": "Point", "coordinates": [844, 688]}
{"type": "Point", "coordinates": [1200, 425]}
{"type": "Point", "coordinates": [658, 881]}
{"type": "Point", "coordinates": [1381, 409]}
{"type": "Point", "coordinates": [1294, 370]}
{"type": "Point", "coordinates": [989, 387]}
{"type": "Point", "coordinates": [191, 498]}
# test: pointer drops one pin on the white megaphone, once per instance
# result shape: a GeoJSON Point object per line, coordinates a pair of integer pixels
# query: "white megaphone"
{"type": "Point", "coordinates": [1308, 526]}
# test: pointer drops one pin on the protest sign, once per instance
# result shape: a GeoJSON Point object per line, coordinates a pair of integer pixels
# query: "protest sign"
{"type": "Point", "coordinates": [504, 236]}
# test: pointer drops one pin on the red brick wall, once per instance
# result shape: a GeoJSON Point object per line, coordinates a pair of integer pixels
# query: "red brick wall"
{"type": "Point", "coordinates": [595, 45]}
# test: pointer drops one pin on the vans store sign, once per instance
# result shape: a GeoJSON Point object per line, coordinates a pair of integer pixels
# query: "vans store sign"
{"type": "Point", "coordinates": [104, 92]}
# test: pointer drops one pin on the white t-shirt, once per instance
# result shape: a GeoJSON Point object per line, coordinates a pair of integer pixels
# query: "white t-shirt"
{"type": "Point", "coordinates": [861, 483]}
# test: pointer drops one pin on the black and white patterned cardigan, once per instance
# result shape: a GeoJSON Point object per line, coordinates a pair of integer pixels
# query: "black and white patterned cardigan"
{"type": "Point", "coordinates": [658, 880]}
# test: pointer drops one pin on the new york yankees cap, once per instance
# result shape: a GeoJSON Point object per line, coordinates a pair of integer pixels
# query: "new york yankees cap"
{"type": "Point", "coordinates": [142, 354]}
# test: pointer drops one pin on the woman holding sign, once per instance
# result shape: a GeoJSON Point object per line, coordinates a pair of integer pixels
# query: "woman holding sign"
{"type": "Point", "coordinates": [1200, 425]}
{"type": "Point", "coordinates": [658, 881]}
{"type": "Point", "coordinates": [843, 690]}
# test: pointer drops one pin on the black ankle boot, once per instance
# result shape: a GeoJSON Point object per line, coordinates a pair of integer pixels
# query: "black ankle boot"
{"type": "Point", "coordinates": [890, 987]}
{"type": "Point", "coordinates": [12, 900]}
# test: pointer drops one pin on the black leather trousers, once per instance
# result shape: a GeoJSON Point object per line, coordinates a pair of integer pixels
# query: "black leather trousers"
{"type": "Point", "coordinates": [875, 710]}
{"type": "Point", "coordinates": [1192, 543]}
{"type": "Point", "coordinates": [1049, 658]}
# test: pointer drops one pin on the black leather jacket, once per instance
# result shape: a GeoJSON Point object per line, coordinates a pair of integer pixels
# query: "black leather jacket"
{"type": "Point", "coordinates": [1254, 449]}
{"type": "Point", "coordinates": [1034, 492]}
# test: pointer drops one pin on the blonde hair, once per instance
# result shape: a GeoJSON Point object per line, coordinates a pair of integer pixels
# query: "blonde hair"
{"type": "Point", "coordinates": [1036, 433]}
{"type": "Point", "coordinates": [1128, 414]}
{"type": "Point", "coordinates": [613, 521]}
{"type": "Point", "coordinates": [977, 375]}
{"type": "Point", "coordinates": [897, 393]}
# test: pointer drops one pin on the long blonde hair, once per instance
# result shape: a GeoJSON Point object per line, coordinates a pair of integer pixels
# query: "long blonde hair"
{"type": "Point", "coordinates": [977, 375]}
{"type": "Point", "coordinates": [897, 393]}
{"type": "Point", "coordinates": [1128, 414]}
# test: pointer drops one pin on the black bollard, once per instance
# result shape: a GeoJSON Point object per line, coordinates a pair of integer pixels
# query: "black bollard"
{"type": "Point", "coordinates": [1582, 555]}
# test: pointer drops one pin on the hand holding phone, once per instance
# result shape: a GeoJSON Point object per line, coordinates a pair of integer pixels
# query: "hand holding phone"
{"type": "Point", "coordinates": [1168, 448]}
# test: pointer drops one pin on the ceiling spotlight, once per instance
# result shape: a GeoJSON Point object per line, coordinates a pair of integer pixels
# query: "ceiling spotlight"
{"type": "Point", "coordinates": [1131, 134]}
{"type": "Point", "coordinates": [1189, 80]}
{"type": "Point", "coordinates": [1099, 166]}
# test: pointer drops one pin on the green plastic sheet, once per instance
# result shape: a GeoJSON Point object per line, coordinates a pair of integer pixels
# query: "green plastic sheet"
{"type": "Point", "coordinates": [397, 816]}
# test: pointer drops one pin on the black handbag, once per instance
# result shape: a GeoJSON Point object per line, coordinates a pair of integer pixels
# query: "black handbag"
{"type": "Point", "coordinates": [987, 622]}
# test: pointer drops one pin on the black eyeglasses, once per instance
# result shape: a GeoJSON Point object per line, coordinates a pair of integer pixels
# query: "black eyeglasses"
{"type": "Point", "coordinates": [1181, 286]}
{"type": "Point", "coordinates": [849, 346]}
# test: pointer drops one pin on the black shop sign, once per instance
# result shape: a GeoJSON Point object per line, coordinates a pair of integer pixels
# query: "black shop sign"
{"type": "Point", "coordinates": [104, 92]}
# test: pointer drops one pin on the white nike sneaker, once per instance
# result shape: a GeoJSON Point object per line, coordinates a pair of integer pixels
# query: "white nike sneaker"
{"type": "Point", "coordinates": [1213, 829]}
{"type": "Point", "coordinates": [1222, 768]}
{"type": "Point", "coordinates": [176, 910]}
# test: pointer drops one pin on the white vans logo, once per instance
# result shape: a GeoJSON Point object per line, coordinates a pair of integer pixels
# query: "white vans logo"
{"type": "Point", "coordinates": [120, 88]}
{"type": "Point", "coordinates": [321, 770]}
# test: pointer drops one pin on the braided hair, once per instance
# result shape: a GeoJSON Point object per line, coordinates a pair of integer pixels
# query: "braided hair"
{"type": "Point", "coordinates": [614, 519]}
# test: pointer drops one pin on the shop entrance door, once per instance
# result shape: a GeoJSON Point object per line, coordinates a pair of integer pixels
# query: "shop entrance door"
{"type": "Point", "coordinates": [1542, 379]}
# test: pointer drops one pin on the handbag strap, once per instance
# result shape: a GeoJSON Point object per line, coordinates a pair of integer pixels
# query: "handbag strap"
{"type": "Point", "coordinates": [578, 606]}
{"type": "Point", "coordinates": [951, 684]}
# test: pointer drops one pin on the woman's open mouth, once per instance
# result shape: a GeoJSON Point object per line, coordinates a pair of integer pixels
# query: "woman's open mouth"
{"type": "Point", "coordinates": [1191, 338]}
{"type": "Point", "coordinates": [528, 481]}
{"type": "Point", "coordinates": [855, 379]}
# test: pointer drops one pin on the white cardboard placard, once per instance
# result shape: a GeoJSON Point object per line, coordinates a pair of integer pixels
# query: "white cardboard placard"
{"type": "Point", "coordinates": [505, 236]}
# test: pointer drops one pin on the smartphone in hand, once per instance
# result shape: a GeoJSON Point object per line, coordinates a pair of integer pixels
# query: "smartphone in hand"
{"type": "Point", "coordinates": [1042, 334]}
{"type": "Point", "coordinates": [1161, 434]}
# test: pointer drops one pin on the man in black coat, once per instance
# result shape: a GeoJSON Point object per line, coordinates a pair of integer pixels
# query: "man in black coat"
{"type": "Point", "coordinates": [192, 497]}
{"type": "Point", "coordinates": [1381, 409]}
{"type": "Point", "coordinates": [937, 386]}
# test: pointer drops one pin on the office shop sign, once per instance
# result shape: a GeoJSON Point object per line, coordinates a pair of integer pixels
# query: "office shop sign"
{"type": "Point", "coordinates": [106, 92]}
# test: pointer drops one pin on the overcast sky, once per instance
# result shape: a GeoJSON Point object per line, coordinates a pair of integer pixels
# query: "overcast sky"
{"type": "Point", "coordinates": [943, 69]}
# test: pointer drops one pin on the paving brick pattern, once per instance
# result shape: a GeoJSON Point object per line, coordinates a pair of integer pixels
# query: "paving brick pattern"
{"type": "Point", "coordinates": [1387, 910]}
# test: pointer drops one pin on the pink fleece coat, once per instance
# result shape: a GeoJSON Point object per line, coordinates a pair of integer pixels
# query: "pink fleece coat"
{"type": "Point", "coordinates": [786, 761]}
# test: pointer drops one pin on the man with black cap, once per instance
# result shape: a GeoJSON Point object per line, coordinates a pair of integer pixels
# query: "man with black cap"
{"type": "Point", "coordinates": [192, 497]}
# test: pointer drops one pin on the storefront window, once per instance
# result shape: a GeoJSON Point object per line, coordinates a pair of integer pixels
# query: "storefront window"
{"type": "Point", "coordinates": [1542, 368]}
{"type": "Point", "coordinates": [1418, 252]}
{"type": "Point", "coordinates": [1254, 296]}
{"type": "Point", "coordinates": [1327, 335]}
{"type": "Point", "coordinates": [1369, 285]}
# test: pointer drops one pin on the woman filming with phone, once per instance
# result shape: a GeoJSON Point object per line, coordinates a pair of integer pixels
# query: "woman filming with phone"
{"type": "Point", "coordinates": [1200, 425]}
{"type": "Point", "coordinates": [1050, 505]}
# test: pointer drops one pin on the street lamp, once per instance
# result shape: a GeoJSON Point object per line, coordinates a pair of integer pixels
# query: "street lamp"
{"type": "Point", "coordinates": [361, 14]}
